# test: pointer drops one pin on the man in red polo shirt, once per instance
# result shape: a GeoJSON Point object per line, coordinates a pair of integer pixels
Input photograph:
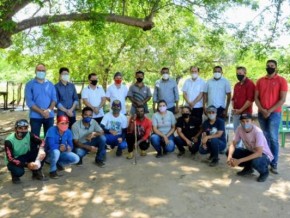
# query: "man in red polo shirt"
{"type": "Point", "coordinates": [270, 95]}
{"type": "Point", "coordinates": [243, 97]}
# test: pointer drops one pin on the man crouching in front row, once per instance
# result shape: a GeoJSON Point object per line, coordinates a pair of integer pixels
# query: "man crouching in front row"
{"type": "Point", "coordinates": [256, 154]}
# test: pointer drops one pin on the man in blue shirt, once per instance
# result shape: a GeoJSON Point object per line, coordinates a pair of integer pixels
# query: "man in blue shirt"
{"type": "Point", "coordinates": [40, 98]}
{"type": "Point", "coordinates": [67, 97]}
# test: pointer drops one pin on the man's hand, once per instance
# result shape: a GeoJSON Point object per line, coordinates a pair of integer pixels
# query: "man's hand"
{"type": "Point", "coordinates": [70, 113]}
{"type": "Point", "coordinates": [188, 142]}
{"type": "Point", "coordinates": [237, 111]}
{"type": "Point", "coordinates": [113, 132]}
{"type": "Point", "coordinates": [96, 110]}
{"type": "Point", "coordinates": [68, 149]}
{"type": "Point", "coordinates": [234, 162]}
{"type": "Point", "coordinates": [191, 104]}
{"type": "Point", "coordinates": [225, 113]}
{"type": "Point", "coordinates": [45, 114]}
{"type": "Point", "coordinates": [93, 149]}
{"type": "Point", "coordinates": [62, 148]}
{"type": "Point", "coordinates": [90, 136]}
{"type": "Point", "coordinates": [176, 110]}
{"type": "Point", "coordinates": [120, 140]}
{"type": "Point", "coordinates": [195, 139]}
{"type": "Point", "coordinates": [32, 166]}
{"type": "Point", "coordinates": [165, 138]}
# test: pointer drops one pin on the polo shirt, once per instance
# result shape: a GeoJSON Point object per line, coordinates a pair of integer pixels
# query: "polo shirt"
{"type": "Point", "coordinates": [118, 93]}
{"type": "Point", "coordinates": [242, 93]}
{"type": "Point", "coordinates": [66, 96]}
{"type": "Point", "coordinates": [41, 95]}
{"type": "Point", "coordinates": [190, 128]}
{"type": "Point", "coordinates": [269, 90]}
{"type": "Point", "coordinates": [140, 94]}
{"type": "Point", "coordinates": [80, 132]}
{"type": "Point", "coordinates": [193, 88]}
{"type": "Point", "coordinates": [217, 90]}
{"type": "Point", "coordinates": [166, 90]}
{"type": "Point", "coordinates": [94, 96]}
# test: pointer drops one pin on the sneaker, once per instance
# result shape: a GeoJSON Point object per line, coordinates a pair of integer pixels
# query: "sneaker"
{"type": "Point", "coordinates": [130, 155]}
{"type": "Point", "coordinates": [80, 162]}
{"type": "Point", "coordinates": [158, 155]}
{"type": "Point", "coordinates": [181, 153]}
{"type": "Point", "coordinates": [245, 171]}
{"type": "Point", "coordinates": [59, 167]}
{"type": "Point", "coordinates": [54, 175]}
{"type": "Point", "coordinates": [16, 180]}
{"type": "Point", "coordinates": [274, 170]}
{"type": "Point", "coordinates": [119, 153]}
{"type": "Point", "coordinates": [214, 162]}
{"type": "Point", "coordinates": [210, 158]}
{"type": "Point", "coordinates": [38, 175]}
{"type": "Point", "coordinates": [263, 177]}
{"type": "Point", "coordinates": [164, 152]}
{"type": "Point", "coordinates": [100, 163]}
{"type": "Point", "coordinates": [143, 153]}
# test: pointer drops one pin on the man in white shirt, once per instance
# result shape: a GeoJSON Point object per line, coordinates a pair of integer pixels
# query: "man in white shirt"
{"type": "Point", "coordinates": [94, 97]}
{"type": "Point", "coordinates": [193, 92]}
{"type": "Point", "coordinates": [117, 91]}
{"type": "Point", "coordinates": [218, 92]}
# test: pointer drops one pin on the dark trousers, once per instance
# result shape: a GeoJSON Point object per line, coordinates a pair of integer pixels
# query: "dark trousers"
{"type": "Point", "coordinates": [180, 143]}
{"type": "Point", "coordinates": [36, 124]}
{"type": "Point", "coordinates": [172, 109]}
{"type": "Point", "coordinates": [18, 171]}
{"type": "Point", "coordinates": [197, 112]}
{"type": "Point", "coordinates": [220, 112]}
{"type": "Point", "coordinates": [260, 163]}
{"type": "Point", "coordinates": [130, 138]}
{"type": "Point", "coordinates": [214, 147]}
{"type": "Point", "coordinates": [99, 119]}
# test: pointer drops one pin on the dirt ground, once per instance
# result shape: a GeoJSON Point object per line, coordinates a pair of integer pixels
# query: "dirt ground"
{"type": "Point", "coordinates": [165, 187]}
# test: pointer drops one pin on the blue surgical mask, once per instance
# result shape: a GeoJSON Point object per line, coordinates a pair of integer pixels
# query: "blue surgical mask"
{"type": "Point", "coordinates": [87, 119]}
{"type": "Point", "coordinates": [247, 126]}
{"type": "Point", "coordinates": [40, 75]}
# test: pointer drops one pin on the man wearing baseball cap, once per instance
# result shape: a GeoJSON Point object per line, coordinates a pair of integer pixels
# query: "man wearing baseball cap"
{"type": "Point", "coordinates": [23, 149]}
{"type": "Point", "coordinates": [59, 144]}
{"type": "Point", "coordinates": [256, 154]}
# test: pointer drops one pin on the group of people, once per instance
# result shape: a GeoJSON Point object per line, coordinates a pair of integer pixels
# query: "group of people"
{"type": "Point", "coordinates": [69, 140]}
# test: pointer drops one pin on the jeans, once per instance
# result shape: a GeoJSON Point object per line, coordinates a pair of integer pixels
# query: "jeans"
{"type": "Point", "coordinates": [37, 123]}
{"type": "Point", "coordinates": [180, 143]}
{"type": "Point", "coordinates": [158, 143]}
{"type": "Point", "coordinates": [100, 143]}
{"type": "Point", "coordinates": [112, 140]}
{"type": "Point", "coordinates": [270, 127]}
{"type": "Point", "coordinates": [61, 158]}
{"type": "Point", "coordinates": [130, 138]}
{"type": "Point", "coordinates": [236, 122]}
{"type": "Point", "coordinates": [18, 171]}
{"type": "Point", "coordinates": [214, 147]}
{"type": "Point", "coordinates": [260, 163]}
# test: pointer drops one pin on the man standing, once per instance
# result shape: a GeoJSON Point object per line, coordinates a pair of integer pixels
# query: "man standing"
{"type": "Point", "coordinates": [117, 91]}
{"type": "Point", "coordinates": [67, 97]}
{"type": "Point", "coordinates": [166, 89]}
{"type": "Point", "coordinates": [216, 91]}
{"type": "Point", "coordinates": [41, 98]}
{"type": "Point", "coordinates": [143, 126]}
{"type": "Point", "coordinates": [23, 149]}
{"type": "Point", "coordinates": [256, 153]}
{"type": "Point", "coordinates": [94, 97]}
{"type": "Point", "coordinates": [139, 94]}
{"type": "Point", "coordinates": [114, 125]}
{"type": "Point", "coordinates": [193, 89]}
{"type": "Point", "coordinates": [243, 97]}
{"type": "Point", "coordinates": [270, 95]}
{"type": "Point", "coordinates": [88, 136]}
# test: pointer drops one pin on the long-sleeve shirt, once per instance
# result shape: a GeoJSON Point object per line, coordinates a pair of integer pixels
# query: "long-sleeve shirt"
{"type": "Point", "coordinates": [54, 139]}
{"type": "Point", "coordinates": [66, 96]}
{"type": "Point", "coordinates": [166, 90]}
{"type": "Point", "coordinates": [41, 95]}
{"type": "Point", "coordinates": [17, 147]}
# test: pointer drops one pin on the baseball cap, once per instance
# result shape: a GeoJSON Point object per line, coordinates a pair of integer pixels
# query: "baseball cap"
{"type": "Point", "coordinates": [116, 103]}
{"type": "Point", "coordinates": [62, 119]}
{"type": "Point", "coordinates": [246, 116]}
{"type": "Point", "coordinates": [21, 122]}
{"type": "Point", "coordinates": [211, 108]}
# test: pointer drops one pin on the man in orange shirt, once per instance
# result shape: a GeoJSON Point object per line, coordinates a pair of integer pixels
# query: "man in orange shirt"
{"type": "Point", "coordinates": [270, 95]}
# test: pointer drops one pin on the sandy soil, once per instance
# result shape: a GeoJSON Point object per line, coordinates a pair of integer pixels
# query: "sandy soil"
{"type": "Point", "coordinates": [165, 187]}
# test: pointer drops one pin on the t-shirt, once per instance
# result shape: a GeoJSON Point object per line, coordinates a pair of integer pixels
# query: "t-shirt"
{"type": "Point", "coordinates": [115, 123]}
{"type": "Point", "coordinates": [211, 129]}
{"type": "Point", "coordinates": [253, 139]}
{"type": "Point", "coordinates": [269, 90]}
{"type": "Point", "coordinates": [193, 88]}
{"type": "Point", "coordinates": [80, 132]}
{"type": "Point", "coordinates": [139, 94]}
{"type": "Point", "coordinates": [217, 90]}
{"type": "Point", "coordinates": [190, 128]}
{"type": "Point", "coordinates": [118, 93]}
{"type": "Point", "coordinates": [94, 97]}
{"type": "Point", "coordinates": [143, 128]}
{"type": "Point", "coordinates": [163, 122]}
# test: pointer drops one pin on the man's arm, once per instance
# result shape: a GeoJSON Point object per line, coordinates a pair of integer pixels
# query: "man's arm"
{"type": "Point", "coordinates": [78, 144]}
{"type": "Point", "coordinates": [282, 99]}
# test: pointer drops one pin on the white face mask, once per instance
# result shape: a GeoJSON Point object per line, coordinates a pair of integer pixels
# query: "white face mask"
{"type": "Point", "coordinates": [211, 116]}
{"type": "Point", "coordinates": [194, 75]}
{"type": "Point", "coordinates": [217, 75]}
{"type": "Point", "coordinates": [162, 108]}
{"type": "Point", "coordinates": [65, 77]}
{"type": "Point", "coordinates": [165, 76]}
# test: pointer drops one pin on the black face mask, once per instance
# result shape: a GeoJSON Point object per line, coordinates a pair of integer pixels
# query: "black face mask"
{"type": "Point", "coordinates": [270, 70]}
{"type": "Point", "coordinates": [139, 80]}
{"type": "Point", "coordinates": [94, 82]}
{"type": "Point", "coordinates": [240, 77]}
{"type": "Point", "coordinates": [21, 134]}
{"type": "Point", "coordinates": [185, 116]}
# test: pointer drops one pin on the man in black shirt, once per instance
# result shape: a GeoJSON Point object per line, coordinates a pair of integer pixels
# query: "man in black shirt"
{"type": "Point", "coordinates": [188, 130]}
